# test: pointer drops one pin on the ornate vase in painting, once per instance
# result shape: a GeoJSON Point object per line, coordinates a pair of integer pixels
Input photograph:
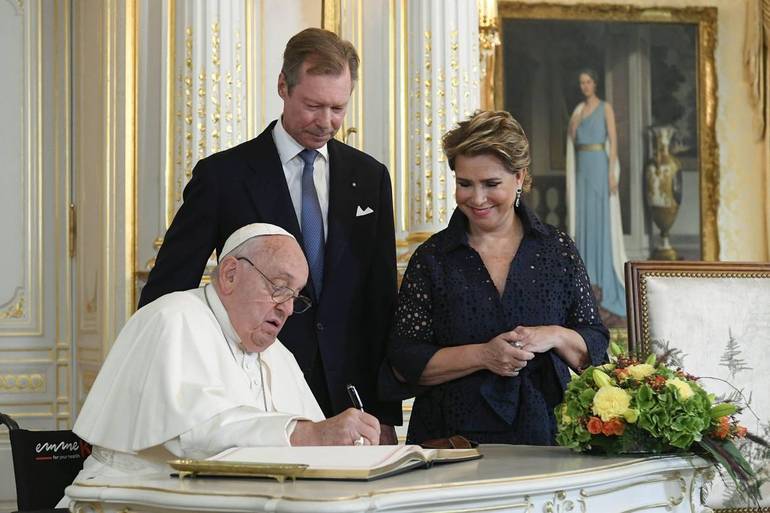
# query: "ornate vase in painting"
{"type": "Point", "coordinates": [663, 181]}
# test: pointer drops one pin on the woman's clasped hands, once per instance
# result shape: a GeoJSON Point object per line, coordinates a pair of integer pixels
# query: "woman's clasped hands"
{"type": "Point", "coordinates": [503, 356]}
{"type": "Point", "coordinates": [509, 352]}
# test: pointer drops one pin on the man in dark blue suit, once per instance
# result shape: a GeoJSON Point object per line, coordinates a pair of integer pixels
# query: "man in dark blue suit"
{"type": "Point", "coordinates": [333, 198]}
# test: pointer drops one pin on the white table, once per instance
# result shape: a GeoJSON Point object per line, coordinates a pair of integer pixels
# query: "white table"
{"type": "Point", "coordinates": [508, 478]}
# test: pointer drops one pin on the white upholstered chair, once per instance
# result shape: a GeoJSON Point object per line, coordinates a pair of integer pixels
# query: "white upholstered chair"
{"type": "Point", "coordinates": [713, 320]}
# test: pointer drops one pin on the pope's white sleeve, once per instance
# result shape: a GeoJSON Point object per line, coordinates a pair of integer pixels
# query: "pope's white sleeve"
{"type": "Point", "coordinates": [243, 426]}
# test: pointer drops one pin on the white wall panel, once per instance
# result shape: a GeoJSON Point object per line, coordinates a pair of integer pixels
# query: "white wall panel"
{"type": "Point", "coordinates": [20, 301]}
{"type": "Point", "coordinates": [34, 295]}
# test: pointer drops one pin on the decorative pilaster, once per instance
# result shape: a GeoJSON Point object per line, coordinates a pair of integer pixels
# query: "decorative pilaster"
{"type": "Point", "coordinates": [443, 82]}
{"type": "Point", "coordinates": [489, 39]}
{"type": "Point", "coordinates": [210, 95]}
{"type": "Point", "coordinates": [209, 65]}
{"type": "Point", "coordinates": [351, 28]}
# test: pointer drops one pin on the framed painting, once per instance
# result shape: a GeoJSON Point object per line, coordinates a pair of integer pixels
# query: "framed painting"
{"type": "Point", "coordinates": [713, 320]}
{"type": "Point", "coordinates": [651, 71]}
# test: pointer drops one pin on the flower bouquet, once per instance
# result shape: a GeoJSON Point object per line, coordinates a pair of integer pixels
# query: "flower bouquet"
{"type": "Point", "coordinates": [629, 406]}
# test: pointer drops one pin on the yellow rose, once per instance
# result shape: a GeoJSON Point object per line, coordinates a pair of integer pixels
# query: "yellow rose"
{"type": "Point", "coordinates": [565, 419]}
{"type": "Point", "coordinates": [611, 402]}
{"type": "Point", "coordinates": [640, 371]}
{"type": "Point", "coordinates": [683, 389]}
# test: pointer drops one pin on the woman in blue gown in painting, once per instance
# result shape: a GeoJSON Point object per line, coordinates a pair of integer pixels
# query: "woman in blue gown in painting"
{"type": "Point", "coordinates": [592, 189]}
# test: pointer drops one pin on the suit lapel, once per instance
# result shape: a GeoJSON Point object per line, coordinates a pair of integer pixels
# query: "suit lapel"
{"type": "Point", "coordinates": [341, 211]}
{"type": "Point", "coordinates": [267, 185]}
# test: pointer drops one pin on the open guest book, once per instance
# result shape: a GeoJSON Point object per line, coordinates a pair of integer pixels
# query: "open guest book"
{"type": "Point", "coordinates": [339, 462]}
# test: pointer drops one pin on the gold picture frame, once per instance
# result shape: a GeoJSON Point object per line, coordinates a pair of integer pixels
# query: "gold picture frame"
{"type": "Point", "coordinates": [704, 20]}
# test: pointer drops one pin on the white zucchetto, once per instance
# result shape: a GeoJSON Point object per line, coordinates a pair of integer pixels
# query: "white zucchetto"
{"type": "Point", "coordinates": [247, 232]}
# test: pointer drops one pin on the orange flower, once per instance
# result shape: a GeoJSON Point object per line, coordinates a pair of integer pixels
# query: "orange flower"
{"type": "Point", "coordinates": [656, 382]}
{"type": "Point", "coordinates": [621, 374]}
{"type": "Point", "coordinates": [723, 429]}
{"type": "Point", "coordinates": [613, 427]}
{"type": "Point", "coordinates": [740, 431]}
{"type": "Point", "coordinates": [594, 425]}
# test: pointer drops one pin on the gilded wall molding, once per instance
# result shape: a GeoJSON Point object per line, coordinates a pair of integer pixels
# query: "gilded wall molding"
{"type": "Point", "coordinates": [22, 383]}
{"type": "Point", "coordinates": [14, 309]}
{"type": "Point", "coordinates": [36, 302]}
{"type": "Point", "coordinates": [331, 15]}
{"type": "Point", "coordinates": [104, 141]}
{"type": "Point", "coordinates": [756, 58]}
{"type": "Point", "coordinates": [21, 314]}
{"type": "Point", "coordinates": [349, 26]}
{"type": "Point", "coordinates": [399, 134]}
{"type": "Point", "coordinates": [604, 12]}
{"type": "Point", "coordinates": [18, 6]}
{"type": "Point", "coordinates": [398, 53]}
{"type": "Point", "coordinates": [705, 18]}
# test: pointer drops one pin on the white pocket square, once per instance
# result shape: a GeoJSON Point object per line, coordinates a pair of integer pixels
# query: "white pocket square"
{"type": "Point", "coordinates": [364, 212]}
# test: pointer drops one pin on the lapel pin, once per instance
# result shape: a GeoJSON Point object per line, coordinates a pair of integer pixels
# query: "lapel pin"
{"type": "Point", "coordinates": [353, 184]}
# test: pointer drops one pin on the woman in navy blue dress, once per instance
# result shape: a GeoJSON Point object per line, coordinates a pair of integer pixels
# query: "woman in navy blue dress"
{"type": "Point", "coordinates": [495, 309]}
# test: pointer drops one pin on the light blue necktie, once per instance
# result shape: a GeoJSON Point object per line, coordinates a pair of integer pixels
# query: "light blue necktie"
{"type": "Point", "coordinates": [312, 222]}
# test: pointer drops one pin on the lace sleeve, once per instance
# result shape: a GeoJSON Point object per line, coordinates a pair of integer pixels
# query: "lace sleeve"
{"type": "Point", "coordinates": [583, 313]}
{"type": "Point", "coordinates": [412, 342]}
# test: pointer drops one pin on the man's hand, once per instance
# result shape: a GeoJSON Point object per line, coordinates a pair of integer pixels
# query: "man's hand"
{"type": "Point", "coordinates": [342, 429]}
{"type": "Point", "coordinates": [388, 435]}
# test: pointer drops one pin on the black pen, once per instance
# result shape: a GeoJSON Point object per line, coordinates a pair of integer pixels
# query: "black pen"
{"type": "Point", "coordinates": [354, 397]}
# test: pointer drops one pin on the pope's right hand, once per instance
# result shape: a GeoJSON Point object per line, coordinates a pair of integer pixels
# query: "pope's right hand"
{"type": "Point", "coordinates": [500, 356]}
{"type": "Point", "coordinates": [342, 429]}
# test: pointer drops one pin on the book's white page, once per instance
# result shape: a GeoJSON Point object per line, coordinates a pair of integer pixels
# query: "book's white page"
{"type": "Point", "coordinates": [324, 457]}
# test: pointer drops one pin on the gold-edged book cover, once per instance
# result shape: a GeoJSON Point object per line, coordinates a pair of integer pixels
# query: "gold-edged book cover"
{"type": "Point", "coordinates": [363, 467]}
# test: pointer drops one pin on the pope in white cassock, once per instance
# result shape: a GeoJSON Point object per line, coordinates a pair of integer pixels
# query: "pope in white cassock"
{"type": "Point", "coordinates": [200, 371]}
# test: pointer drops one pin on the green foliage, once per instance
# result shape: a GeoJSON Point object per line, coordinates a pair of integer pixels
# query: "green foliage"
{"type": "Point", "coordinates": [722, 409]}
{"type": "Point", "coordinates": [668, 412]}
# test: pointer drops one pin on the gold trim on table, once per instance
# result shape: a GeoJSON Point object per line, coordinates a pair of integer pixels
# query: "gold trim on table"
{"type": "Point", "coordinates": [279, 472]}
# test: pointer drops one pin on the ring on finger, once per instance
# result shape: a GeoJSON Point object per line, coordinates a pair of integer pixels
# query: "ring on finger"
{"type": "Point", "coordinates": [359, 441]}
{"type": "Point", "coordinates": [518, 344]}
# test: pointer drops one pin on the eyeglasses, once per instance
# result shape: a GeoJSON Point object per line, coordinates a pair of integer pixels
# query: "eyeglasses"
{"type": "Point", "coordinates": [282, 294]}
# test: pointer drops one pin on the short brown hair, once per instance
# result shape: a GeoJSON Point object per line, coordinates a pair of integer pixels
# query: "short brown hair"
{"type": "Point", "coordinates": [494, 133]}
{"type": "Point", "coordinates": [325, 51]}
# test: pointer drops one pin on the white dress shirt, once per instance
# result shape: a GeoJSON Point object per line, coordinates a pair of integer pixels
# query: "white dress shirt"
{"type": "Point", "coordinates": [288, 152]}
